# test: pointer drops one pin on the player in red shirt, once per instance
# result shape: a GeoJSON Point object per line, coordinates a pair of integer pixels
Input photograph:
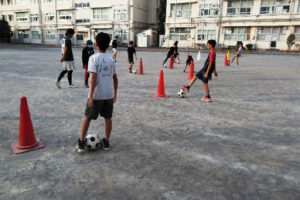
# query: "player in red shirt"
{"type": "Point", "coordinates": [205, 74]}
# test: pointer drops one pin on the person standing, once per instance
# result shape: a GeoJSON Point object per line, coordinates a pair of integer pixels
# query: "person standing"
{"type": "Point", "coordinates": [86, 54]}
{"type": "Point", "coordinates": [115, 48]}
{"type": "Point", "coordinates": [67, 59]}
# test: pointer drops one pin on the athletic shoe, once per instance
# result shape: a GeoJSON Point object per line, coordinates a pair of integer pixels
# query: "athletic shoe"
{"type": "Point", "coordinates": [105, 144]}
{"type": "Point", "coordinates": [72, 86]}
{"type": "Point", "coordinates": [186, 88]}
{"type": "Point", "coordinates": [130, 71]}
{"type": "Point", "coordinates": [178, 62]}
{"type": "Point", "coordinates": [80, 146]}
{"type": "Point", "coordinates": [86, 85]}
{"type": "Point", "coordinates": [206, 99]}
{"type": "Point", "coordinates": [57, 83]}
{"type": "Point", "coordinates": [184, 70]}
{"type": "Point", "coordinates": [164, 65]}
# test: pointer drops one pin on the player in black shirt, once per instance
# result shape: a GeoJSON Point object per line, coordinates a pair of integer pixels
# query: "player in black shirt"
{"type": "Point", "coordinates": [176, 53]}
{"type": "Point", "coordinates": [86, 53]}
{"type": "Point", "coordinates": [169, 54]}
{"type": "Point", "coordinates": [115, 48]}
{"type": "Point", "coordinates": [130, 52]}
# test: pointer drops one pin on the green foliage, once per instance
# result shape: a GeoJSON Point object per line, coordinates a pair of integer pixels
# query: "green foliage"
{"type": "Point", "coordinates": [290, 41]}
{"type": "Point", "coordinates": [5, 31]}
{"type": "Point", "coordinates": [161, 15]}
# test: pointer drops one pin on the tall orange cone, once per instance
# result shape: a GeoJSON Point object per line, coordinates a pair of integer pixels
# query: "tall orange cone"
{"type": "Point", "coordinates": [27, 140]}
{"type": "Point", "coordinates": [161, 87]}
{"type": "Point", "coordinates": [141, 71]}
{"type": "Point", "coordinates": [191, 73]}
{"type": "Point", "coordinates": [171, 63]}
{"type": "Point", "coordinates": [225, 61]}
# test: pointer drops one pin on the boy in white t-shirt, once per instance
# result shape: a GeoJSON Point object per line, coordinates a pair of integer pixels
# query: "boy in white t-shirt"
{"type": "Point", "coordinates": [102, 92]}
{"type": "Point", "coordinates": [238, 54]}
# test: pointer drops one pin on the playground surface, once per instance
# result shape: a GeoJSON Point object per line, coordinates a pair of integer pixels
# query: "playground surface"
{"type": "Point", "coordinates": [244, 145]}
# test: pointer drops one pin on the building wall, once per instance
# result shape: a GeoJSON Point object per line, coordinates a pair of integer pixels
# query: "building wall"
{"type": "Point", "coordinates": [81, 19]}
{"type": "Point", "coordinates": [232, 23]}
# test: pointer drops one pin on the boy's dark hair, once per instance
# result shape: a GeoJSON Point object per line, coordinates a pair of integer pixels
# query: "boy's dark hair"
{"type": "Point", "coordinates": [131, 42]}
{"type": "Point", "coordinates": [212, 42]}
{"type": "Point", "coordinates": [176, 43]}
{"type": "Point", "coordinates": [116, 37]}
{"type": "Point", "coordinates": [70, 31]}
{"type": "Point", "coordinates": [103, 40]}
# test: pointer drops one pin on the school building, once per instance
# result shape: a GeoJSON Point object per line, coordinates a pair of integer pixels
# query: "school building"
{"type": "Point", "coordinates": [45, 21]}
{"type": "Point", "coordinates": [265, 24]}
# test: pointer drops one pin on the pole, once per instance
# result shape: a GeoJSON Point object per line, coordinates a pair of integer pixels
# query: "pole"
{"type": "Point", "coordinates": [220, 19]}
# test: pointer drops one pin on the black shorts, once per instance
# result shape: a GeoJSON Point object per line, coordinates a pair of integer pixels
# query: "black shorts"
{"type": "Point", "coordinates": [131, 60]}
{"type": "Point", "coordinates": [201, 74]}
{"type": "Point", "coordinates": [102, 107]}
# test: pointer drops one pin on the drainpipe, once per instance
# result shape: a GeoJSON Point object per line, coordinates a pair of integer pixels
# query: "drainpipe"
{"type": "Point", "coordinates": [129, 25]}
{"type": "Point", "coordinates": [41, 21]}
{"type": "Point", "coordinates": [220, 19]}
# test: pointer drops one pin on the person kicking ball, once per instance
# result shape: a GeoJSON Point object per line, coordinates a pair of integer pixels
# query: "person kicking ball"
{"type": "Point", "coordinates": [205, 74]}
{"type": "Point", "coordinates": [102, 92]}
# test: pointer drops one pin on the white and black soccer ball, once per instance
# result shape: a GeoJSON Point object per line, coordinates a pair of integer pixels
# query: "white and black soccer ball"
{"type": "Point", "coordinates": [134, 71]}
{"type": "Point", "coordinates": [92, 141]}
{"type": "Point", "coordinates": [181, 93]}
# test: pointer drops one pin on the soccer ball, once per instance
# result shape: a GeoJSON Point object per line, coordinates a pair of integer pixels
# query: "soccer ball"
{"type": "Point", "coordinates": [181, 93]}
{"type": "Point", "coordinates": [92, 141]}
{"type": "Point", "coordinates": [134, 71]}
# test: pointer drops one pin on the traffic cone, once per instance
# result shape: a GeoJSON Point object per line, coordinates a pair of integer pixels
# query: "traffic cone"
{"type": "Point", "coordinates": [171, 63]}
{"type": "Point", "coordinates": [161, 87]}
{"type": "Point", "coordinates": [225, 61]}
{"type": "Point", "coordinates": [141, 71]}
{"type": "Point", "coordinates": [228, 57]}
{"type": "Point", "coordinates": [27, 140]}
{"type": "Point", "coordinates": [191, 73]}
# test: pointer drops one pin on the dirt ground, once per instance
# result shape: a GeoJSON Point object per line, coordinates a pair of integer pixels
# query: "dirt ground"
{"type": "Point", "coordinates": [244, 145]}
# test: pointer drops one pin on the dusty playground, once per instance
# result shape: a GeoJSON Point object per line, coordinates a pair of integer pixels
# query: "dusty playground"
{"type": "Point", "coordinates": [244, 145]}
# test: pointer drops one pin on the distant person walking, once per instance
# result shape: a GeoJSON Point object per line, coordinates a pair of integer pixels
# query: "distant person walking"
{"type": "Point", "coordinates": [176, 53]}
{"type": "Point", "coordinates": [67, 58]}
{"type": "Point", "coordinates": [170, 53]}
{"type": "Point", "coordinates": [115, 48]}
{"type": "Point", "coordinates": [86, 54]}
{"type": "Point", "coordinates": [238, 54]}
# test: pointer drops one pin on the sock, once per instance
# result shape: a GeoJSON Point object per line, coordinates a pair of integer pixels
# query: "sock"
{"type": "Point", "coordinates": [208, 96]}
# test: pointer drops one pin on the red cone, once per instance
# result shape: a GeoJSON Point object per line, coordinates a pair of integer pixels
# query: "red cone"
{"type": "Point", "coordinates": [226, 61]}
{"type": "Point", "coordinates": [171, 63]}
{"type": "Point", "coordinates": [141, 71]}
{"type": "Point", "coordinates": [161, 87]}
{"type": "Point", "coordinates": [191, 73]}
{"type": "Point", "coordinates": [27, 140]}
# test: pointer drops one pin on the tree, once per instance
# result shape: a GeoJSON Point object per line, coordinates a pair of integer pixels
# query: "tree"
{"type": "Point", "coordinates": [5, 31]}
{"type": "Point", "coordinates": [161, 15]}
{"type": "Point", "coordinates": [290, 41]}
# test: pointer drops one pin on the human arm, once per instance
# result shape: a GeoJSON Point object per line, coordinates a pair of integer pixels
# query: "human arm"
{"type": "Point", "coordinates": [92, 89]}
{"type": "Point", "coordinates": [115, 78]}
{"type": "Point", "coordinates": [215, 71]}
{"type": "Point", "coordinates": [208, 69]}
{"type": "Point", "coordinates": [63, 55]}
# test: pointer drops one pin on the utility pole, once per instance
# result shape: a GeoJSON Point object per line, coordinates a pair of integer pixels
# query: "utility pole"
{"type": "Point", "coordinates": [220, 19]}
{"type": "Point", "coordinates": [41, 21]}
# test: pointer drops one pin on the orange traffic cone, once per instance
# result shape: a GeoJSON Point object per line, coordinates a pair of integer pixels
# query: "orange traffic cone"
{"type": "Point", "coordinates": [225, 61]}
{"type": "Point", "coordinates": [171, 63]}
{"type": "Point", "coordinates": [141, 71]}
{"type": "Point", "coordinates": [27, 140]}
{"type": "Point", "coordinates": [191, 73]}
{"type": "Point", "coordinates": [161, 87]}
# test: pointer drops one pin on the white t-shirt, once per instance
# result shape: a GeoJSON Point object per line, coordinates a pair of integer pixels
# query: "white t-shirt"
{"type": "Point", "coordinates": [240, 50]}
{"type": "Point", "coordinates": [104, 66]}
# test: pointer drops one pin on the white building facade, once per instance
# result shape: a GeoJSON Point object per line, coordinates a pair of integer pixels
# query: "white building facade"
{"type": "Point", "coordinates": [45, 21]}
{"type": "Point", "coordinates": [265, 24]}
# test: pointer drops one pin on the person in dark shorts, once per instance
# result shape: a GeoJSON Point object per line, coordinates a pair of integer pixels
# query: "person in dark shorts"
{"type": "Point", "coordinates": [115, 48]}
{"type": "Point", "coordinates": [86, 54]}
{"type": "Point", "coordinates": [238, 54]}
{"type": "Point", "coordinates": [176, 53]}
{"type": "Point", "coordinates": [102, 93]}
{"type": "Point", "coordinates": [205, 74]}
{"type": "Point", "coordinates": [67, 59]}
{"type": "Point", "coordinates": [170, 53]}
{"type": "Point", "coordinates": [130, 52]}
{"type": "Point", "coordinates": [188, 62]}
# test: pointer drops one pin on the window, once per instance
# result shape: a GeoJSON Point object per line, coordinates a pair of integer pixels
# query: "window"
{"type": "Point", "coordinates": [10, 18]}
{"type": "Point", "coordinates": [299, 6]}
{"type": "Point", "coordinates": [209, 9]}
{"type": "Point", "coordinates": [271, 34]}
{"type": "Point", "coordinates": [120, 14]}
{"type": "Point", "coordinates": [34, 17]}
{"type": "Point", "coordinates": [50, 35]}
{"type": "Point", "coordinates": [237, 33]}
{"type": "Point", "coordinates": [108, 31]}
{"type": "Point", "coordinates": [47, 1]}
{"type": "Point", "coordinates": [181, 10]}
{"type": "Point", "coordinates": [23, 34]}
{"type": "Point", "coordinates": [297, 33]}
{"type": "Point", "coordinates": [65, 15]}
{"type": "Point", "coordinates": [35, 35]}
{"type": "Point", "coordinates": [123, 35]}
{"type": "Point", "coordinates": [275, 6]}
{"type": "Point", "coordinates": [9, 2]}
{"type": "Point", "coordinates": [82, 5]}
{"type": "Point", "coordinates": [239, 7]}
{"type": "Point", "coordinates": [82, 21]}
{"type": "Point", "coordinates": [206, 35]}
{"type": "Point", "coordinates": [3, 17]}
{"type": "Point", "coordinates": [20, 1]}
{"type": "Point", "coordinates": [34, 1]}
{"type": "Point", "coordinates": [101, 13]}
{"type": "Point", "coordinates": [21, 16]}
{"type": "Point", "coordinates": [179, 34]}
{"type": "Point", "coordinates": [1, 2]}
{"type": "Point", "coordinates": [49, 17]}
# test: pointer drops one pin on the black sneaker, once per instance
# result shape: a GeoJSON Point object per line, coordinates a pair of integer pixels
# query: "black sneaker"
{"type": "Point", "coordinates": [105, 144]}
{"type": "Point", "coordinates": [130, 71]}
{"type": "Point", "coordinates": [80, 146]}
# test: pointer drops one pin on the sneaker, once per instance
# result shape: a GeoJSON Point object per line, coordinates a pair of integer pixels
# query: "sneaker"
{"type": "Point", "coordinates": [72, 86]}
{"type": "Point", "coordinates": [57, 83]}
{"type": "Point", "coordinates": [186, 88]}
{"type": "Point", "coordinates": [206, 99]}
{"type": "Point", "coordinates": [164, 65]}
{"type": "Point", "coordinates": [105, 144]}
{"type": "Point", "coordinates": [184, 70]}
{"type": "Point", "coordinates": [86, 85]}
{"type": "Point", "coordinates": [80, 146]}
{"type": "Point", "coordinates": [130, 71]}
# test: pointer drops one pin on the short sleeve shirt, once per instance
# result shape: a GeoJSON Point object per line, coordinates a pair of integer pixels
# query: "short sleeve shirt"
{"type": "Point", "coordinates": [104, 66]}
{"type": "Point", "coordinates": [131, 51]}
{"type": "Point", "coordinates": [66, 43]}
